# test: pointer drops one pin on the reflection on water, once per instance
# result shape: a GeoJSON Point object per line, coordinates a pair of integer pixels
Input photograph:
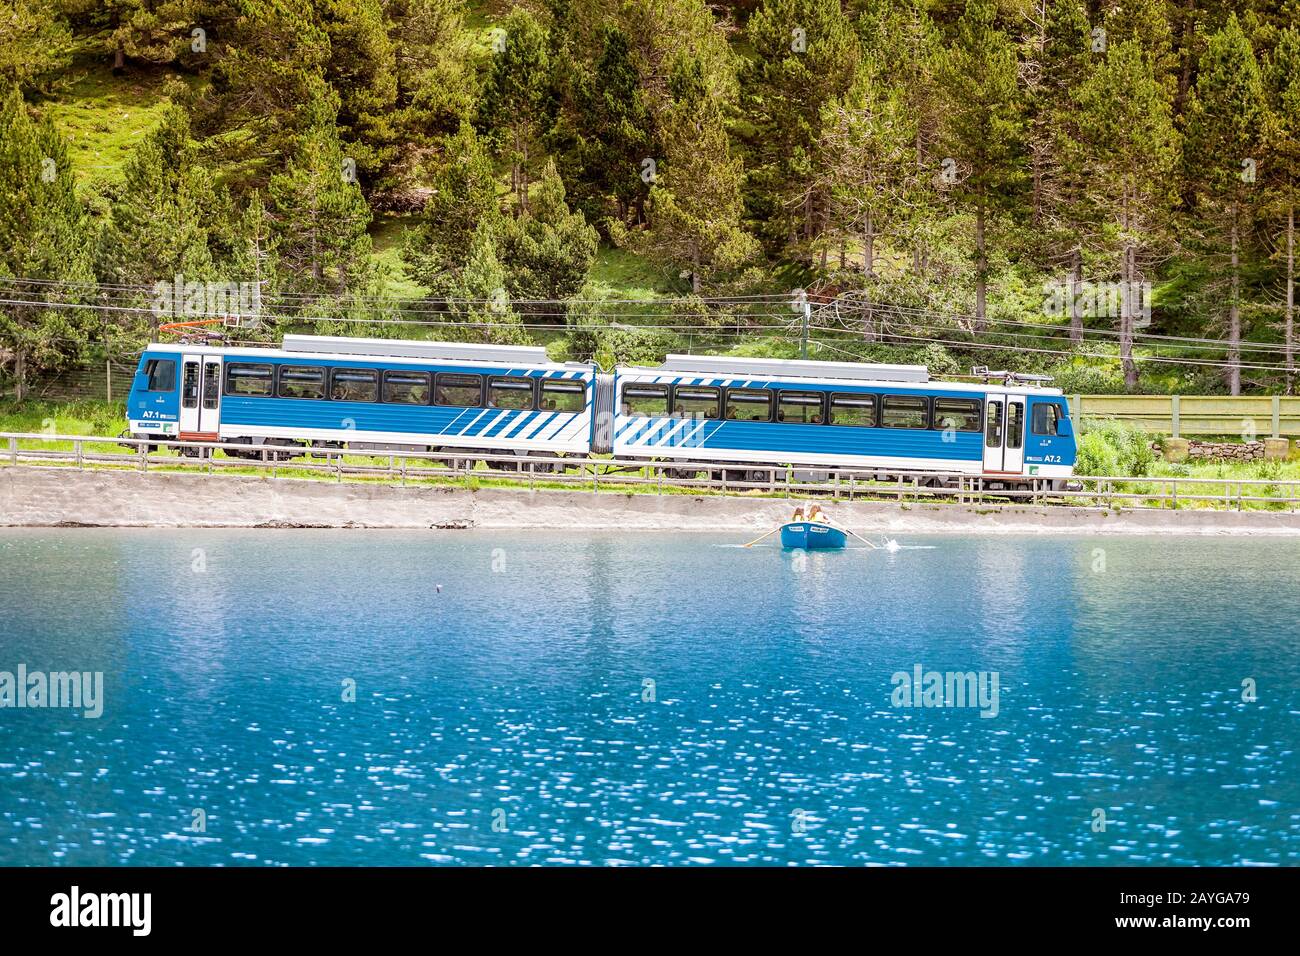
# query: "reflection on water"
{"type": "Point", "coordinates": [605, 698]}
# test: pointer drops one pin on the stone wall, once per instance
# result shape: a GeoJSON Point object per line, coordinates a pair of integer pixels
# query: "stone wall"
{"type": "Point", "coordinates": [1184, 449]}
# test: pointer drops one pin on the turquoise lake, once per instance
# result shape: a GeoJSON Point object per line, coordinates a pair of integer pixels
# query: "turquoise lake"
{"type": "Point", "coordinates": [599, 698]}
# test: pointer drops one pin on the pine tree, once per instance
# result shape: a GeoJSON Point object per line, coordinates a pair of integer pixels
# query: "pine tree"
{"type": "Point", "coordinates": [44, 237]}
{"type": "Point", "coordinates": [362, 70]}
{"type": "Point", "coordinates": [35, 43]}
{"type": "Point", "coordinates": [617, 130]}
{"type": "Point", "coordinates": [250, 250]}
{"type": "Point", "coordinates": [1282, 170]}
{"type": "Point", "coordinates": [478, 303]}
{"type": "Point", "coordinates": [1125, 151]}
{"type": "Point", "coordinates": [319, 213]}
{"type": "Point", "coordinates": [1062, 60]}
{"type": "Point", "coordinates": [697, 203]}
{"type": "Point", "coordinates": [805, 54]}
{"type": "Point", "coordinates": [436, 85]}
{"type": "Point", "coordinates": [463, 195]}
{"type": "Point", "coordinates": [147, 31]}
{"type": "Point", "coordinates": [1146, 23]}
{"type": "Point", "coordinates": [904, 41]}
{"type": "Point", "coordinates": [547, 251]}
{"type": "Point", "coordinates": [270, 61]}
{"type": "Point", "coordinates": [1225, 126]}
{"type": "Point", "coordinates": [517, 97]}
{"type": "Point", "coordinates": [868, 154]}
{"type": "Point", "coordinates": [164, 216]}
{"type": "Point", "coordinates": [983, 129]}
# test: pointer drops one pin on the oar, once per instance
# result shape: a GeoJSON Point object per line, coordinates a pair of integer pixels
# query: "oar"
{"type": "Point", "coordinates": [768, 535]}
{"type": "Point", "coordinates": [871, 544]}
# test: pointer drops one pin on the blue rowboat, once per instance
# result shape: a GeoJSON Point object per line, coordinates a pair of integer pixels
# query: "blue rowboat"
{"type": "Point", "coordinates": [811, 535]}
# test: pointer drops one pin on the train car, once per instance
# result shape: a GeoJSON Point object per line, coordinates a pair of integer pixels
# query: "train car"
{"type": "Point", "coordinates": [365, 395]}
{"type": "Point", "coordinates": [884, 419]}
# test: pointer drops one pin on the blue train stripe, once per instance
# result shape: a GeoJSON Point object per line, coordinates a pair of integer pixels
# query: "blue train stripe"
{"type": "Point", "coordinates": [447, 427]}
{"type": "Point", "coordinates": [539, 425]}
{"type": "Point", "coordinates": [514, 430]}
{"type": "Point", "coordinates": [471, 422]}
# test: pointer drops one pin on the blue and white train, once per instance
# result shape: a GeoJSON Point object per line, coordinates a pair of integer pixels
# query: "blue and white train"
{"type": "Point", "coordinates": [733, 413]}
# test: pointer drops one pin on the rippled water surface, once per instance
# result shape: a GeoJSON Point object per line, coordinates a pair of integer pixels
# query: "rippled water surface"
{"type": "Point", "coordinates": [596, 698]}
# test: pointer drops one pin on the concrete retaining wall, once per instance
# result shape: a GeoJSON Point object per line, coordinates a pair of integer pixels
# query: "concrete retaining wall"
{"type": "Point", "coordinates": [44, 497]}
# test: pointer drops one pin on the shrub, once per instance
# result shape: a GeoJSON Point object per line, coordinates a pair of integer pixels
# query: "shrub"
{"type": "Point", "coordinates": [1110, 447]}
{"type": "Point", "coordinates": [1076, 379]}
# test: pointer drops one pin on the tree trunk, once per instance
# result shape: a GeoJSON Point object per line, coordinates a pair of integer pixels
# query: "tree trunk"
{"type": "Point", "coordinates": [869, 247]}
{"type": "Point", "coordinates": [1290, 299]}
{"type": "Point", "coordinates": [695, 267]}
{"type": "Point", "coordinates": [523, 179]}
{"type": "Point", "coordinates": [119, 60]}
{"type": "Point", "coordinates": [1076, 307]}
{"type": "Point", "coordinates": [20, 374]}
{"type": "Point", "coordinates": [1234, 315]}
{"type": "Point", "coordinates": [1037, 160]}
{"type": "Point", "coordinates": [1127, 271]}
{"type": "Point", "coordinates": [981, 267]}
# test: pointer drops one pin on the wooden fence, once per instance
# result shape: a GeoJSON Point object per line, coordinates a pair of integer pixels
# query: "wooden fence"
{"type": "Point", "coordinates": [1245, 416]}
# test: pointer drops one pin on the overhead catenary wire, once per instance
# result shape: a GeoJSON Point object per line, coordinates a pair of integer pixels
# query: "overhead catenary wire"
{"type": "Point", "coordinates": [894, 324]}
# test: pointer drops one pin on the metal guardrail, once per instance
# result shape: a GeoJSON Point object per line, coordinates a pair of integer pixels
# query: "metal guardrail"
{"type": "Point", "coordinates": [615, 474]}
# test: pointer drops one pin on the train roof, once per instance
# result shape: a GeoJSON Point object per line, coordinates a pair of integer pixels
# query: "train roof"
{"type": "Point", "coordinates": [799, 368]}
{"type": "Point", "coordinates": [521, 356]}
{"type": "Point", "coordinates": [812, 371]}
{"type": "Point", "coordinates": [343, 347]}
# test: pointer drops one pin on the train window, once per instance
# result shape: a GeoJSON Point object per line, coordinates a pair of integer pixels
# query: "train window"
{"type": "Point", "coordinates": [246, 379]}
{"type": "Point", "coordinates": [1015, 424]}
{"type": "Point", "coordinates": [959, 414]}
{"type": "Point", "coordinates": [211, 381]}
{"type": "Point", "coordinates": [513, 392]}
{"type": "Point", "coordinates": [301, 381]}
{"type": "Point", "coordinates": [905, 411]}
{"type": "Point", "coordinates": [408, 388]}
{"type": "Point", "coordinates": [853, 408]}
{"type": "Point", "coordinates": [1045, 417]}
{"type": "Point", "coordinates": [993, 425]}
{"type": "Point", "coordinates": [749, 405]}
{"type": "Point", "coordinates": [161, 374]}
{"type": "Point", "coordinates": [697, 401]}
{"type": "Point", "coordinates": [648, 400]}
{"type": "Point", "coordinates": [190, 385]}
{"type": "Point", "coordinates": [354, 385]}
{"type": "Point", "coordinates": [563, 395]}
{"type": "Point", "coordinates": [800, 408]}
{"type": "Point", "coordinates": [460, 391]}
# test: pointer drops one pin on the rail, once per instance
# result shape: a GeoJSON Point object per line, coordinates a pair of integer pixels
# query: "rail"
{"type": "Point", "coordinates": [643, 475]}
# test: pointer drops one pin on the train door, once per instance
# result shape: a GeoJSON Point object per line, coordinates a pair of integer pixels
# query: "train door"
{"type": "Point", "coordinates": [200, 396]}
{"type": "Point", "coordinates": [1004, 434]}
